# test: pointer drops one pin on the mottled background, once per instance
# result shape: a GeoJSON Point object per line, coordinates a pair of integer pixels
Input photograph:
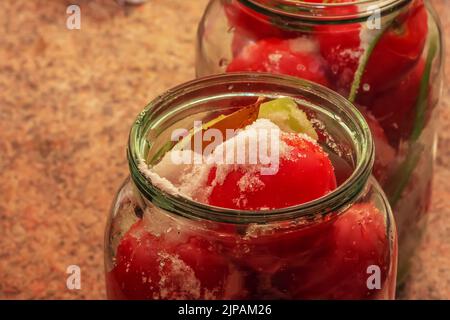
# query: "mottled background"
{"type": "Point", "coordinates": [67, 100]}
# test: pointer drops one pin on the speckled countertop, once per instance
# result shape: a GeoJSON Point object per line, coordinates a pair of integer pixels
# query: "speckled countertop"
{"type": "Point", "coordinates": [67, 100]}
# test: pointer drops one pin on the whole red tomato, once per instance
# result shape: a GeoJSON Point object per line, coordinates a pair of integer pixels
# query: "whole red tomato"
{"type": "Point", "coordinates": [148, 267]}
{"type": "Point", "coordinates": [395, 107]}
{"type": "Point", "coordinates": [305, 174]}
{"type": "Point", "coordinates": [341, 272]}
{"type": "Point", "coordinates": [340, 47]}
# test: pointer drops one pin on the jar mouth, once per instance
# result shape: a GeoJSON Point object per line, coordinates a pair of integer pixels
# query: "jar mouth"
{"type": "Point", "coordinates": [335, 201]}
{"type": "Point", "coordinates": [327, 12]}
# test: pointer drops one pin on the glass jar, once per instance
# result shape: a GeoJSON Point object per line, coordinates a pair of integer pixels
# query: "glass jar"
{"type": "Point", "coordinates": [385, 56]}
{"type": "Point", "coordinates": [163, 246]}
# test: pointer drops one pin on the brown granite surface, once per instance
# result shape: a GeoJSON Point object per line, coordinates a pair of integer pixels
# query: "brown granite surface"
{"type": "Point", "coordinates": [67, 100]}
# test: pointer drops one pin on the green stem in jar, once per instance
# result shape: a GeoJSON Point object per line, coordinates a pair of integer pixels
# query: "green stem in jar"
{"type": "Point", "coordinates": [422, 100]}
{"type": "Point", "coordinates": [400, 180]}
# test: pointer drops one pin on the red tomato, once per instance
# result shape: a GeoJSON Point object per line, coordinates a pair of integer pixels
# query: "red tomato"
{"type": "Point", "coordinates": [340, 47]}
{"type": "Point", "coordinates": [303, 175]}
{"type": "Point", "coordinates": [359, 241]}
{"type": "Point", "coordinates": [147, 267]}
{"type": "Point", "coordinates": [398, 50]}
{"type": "Point", "coordinates": [250, 26]}
{"type": "Point", "coordinates": [269, 248]}
{"type": "Point", "coordinates": [295, 57]}
{"type": "Point", "coordinates": [210, 267]}
{"type": "Point", "coordinates": [136, 274]}
{"type": "Point", "coordinates": [395, 108]}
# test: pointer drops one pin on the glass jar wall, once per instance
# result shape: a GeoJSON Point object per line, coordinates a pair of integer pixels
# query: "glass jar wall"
{"type": "Point", "coordinates": [385, 56]}
{"type": "Point", "coordinates": [161, 245]}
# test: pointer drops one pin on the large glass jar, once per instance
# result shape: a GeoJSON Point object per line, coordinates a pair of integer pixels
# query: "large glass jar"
{"type": "Point", "coordinates": [160, 245]}
{"type": "Point", "coordinates": [385, 56]}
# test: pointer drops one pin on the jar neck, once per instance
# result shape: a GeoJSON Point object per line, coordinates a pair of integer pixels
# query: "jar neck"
{"type": "Point", "coordinates": [328, 12]}
{"type": "Point", "coordinates": [148, 140]}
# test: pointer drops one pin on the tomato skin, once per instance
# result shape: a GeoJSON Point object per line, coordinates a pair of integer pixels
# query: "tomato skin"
{"type": "Point", "coordinates": [148, 267]}
{"type": "Point", "coordinates": [285, 244]}
{"type": "Point", "coordinates": [396, 107]}
{"type": "Point", "coordinates": [398, 50]}
{"type": "Point", "coordinates": [282, 57]}
{"type": "Point", "coordinates": [265, 251]}
{"type": "Point", "coordinates": [210, 267]}
{"type": "Point", "coordinates": [340, 47]}
{"type": "Point", "coordinates": [361, 241]}
{"type": "Point", "coordinates": [340, 272]}
{"type": "Point", "coordinates": [304, 175]}
{"type": "Point", "coordinates": [135, 275]}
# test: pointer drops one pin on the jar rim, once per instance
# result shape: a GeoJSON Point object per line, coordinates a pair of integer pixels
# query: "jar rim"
{"type": "Point", "coordinates": [335, 201]}
{"type": "Point", "coordinates": [320, 12]}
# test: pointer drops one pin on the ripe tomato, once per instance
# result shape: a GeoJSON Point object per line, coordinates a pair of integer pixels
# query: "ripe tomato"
{"type": "Point", "coordinates": [266, 249]}
{"type": "Point", "coordinates": [398, 50]}
{"type": "Point", "coordinates": [136, 271]}
{"type": "Point", "coordinates": [305, 174]}
{"type": "Point", "coordinates": [296, 57]}
{"type": "Point", "coordinates": [147, 267]}
{"type": "Point", "coordinates": [340, 46]}
{"type": "Point", "coordinates": [361, 241]}
{"type": "Point", "coordinates": [269, 248]}
{"type": "Point", "coordinates": [210, 267]}
{"type": "Point", "coordinates": [395, 108]}
{"type": "Point", "coordinates": [340, 272]}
